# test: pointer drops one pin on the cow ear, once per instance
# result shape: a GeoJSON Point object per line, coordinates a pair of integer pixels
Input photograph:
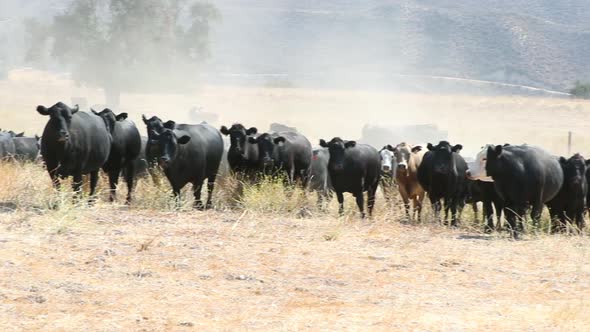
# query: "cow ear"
{"type": "Point", "coordinates": [20, 135]}
{"type": "Point", "coordinates": [252, 140]}
{"type": "Point", "coordinates": [121, 116]}
{"type": "Point", "coordinates": [457, 148]}
{"type": "Point", "coordinates": [416, 149]}
{"type": "Point", "coordinates": [37, 137]}
{"type": "Point", "coordinates": [93, 111]}
{"type": "Point", "coordinates": [184, 139]}
{"type": "Point", "coordinates": [562, 160]}
{"type": "Point", "coordinates": [350, 144]}
{"type": "Point", "coordinates": [75, 109]}
{"type": "Point", "coordinates": [430, 147]}
{"type": "Point", "coordinates": [43, 110]}
{"type": "Point", "coordinates": [323, 143]}
{"type": "Point", "coordinates": [224, 130]}
{"type": "Point", "coordinates": [587, 162]}
{"type": "Point", "coordinates": [390, 148]}
{"type": "Point", "coordinates": [279, 139]}
{"type": "Point", "coordinates": [170, 124]}
{"type": "Point", "coordinates": [497, 150]}
{"type": "Point", "coordinates": [252, 131]}
{"type": "Point", "coordinates": [145, 120]}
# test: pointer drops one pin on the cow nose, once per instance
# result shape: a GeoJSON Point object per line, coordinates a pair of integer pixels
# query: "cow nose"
{"type": "Point", "coordinates": [164, 161]}
{"type": "Point", "coordinates": [468, 173]}
{"type": "Point", "coordinates": [401, 167]}
{"type": "Point", "coordinates": [385, 168]}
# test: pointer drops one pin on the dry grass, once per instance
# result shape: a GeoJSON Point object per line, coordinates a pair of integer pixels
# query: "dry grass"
{"type": "Point", "coordinates": [257, 264]}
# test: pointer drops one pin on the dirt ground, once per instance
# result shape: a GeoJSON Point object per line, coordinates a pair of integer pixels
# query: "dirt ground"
{"type": "Point", "coordinates": [120, 269]}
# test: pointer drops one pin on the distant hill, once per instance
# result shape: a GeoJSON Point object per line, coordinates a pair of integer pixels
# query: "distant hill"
{"type": "Point", "coordinates": [539, 43]}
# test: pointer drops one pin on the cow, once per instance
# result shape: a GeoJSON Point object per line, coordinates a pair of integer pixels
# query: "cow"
{"type": "Point", "coordinates": [353, 168]}
{"type": "Point", "coordinates": [154, 125]}
{"type": "Point", "coordinates": [569, 203]}
{"type": "Point", "coordinates": [288, 152]}
{"type": "Point", "coordinates": [388, 171]}
{"type": "Point", "coordinates": [481, 188]}
{"type": "Point", "coordinates": [242, 155]}
{"type": "Point", "coordinates": [189, 154]}
{"type": "Point", "coordinates": [408, 160]}
{"type": "Point", "coordinates": [523, 176]}
{"type": "Point", "coordinates": [442, 175]}
{"type": "Point", "coordinates": [319, 180]}
{"type": "Point", "coordinates": [74, 143]}
{"type": "Point", "coordinates": [26, 148]}
{"type": "Point", "coordinates": [7, 148]}
{"type": "Point", "coordinates": [125, 149]}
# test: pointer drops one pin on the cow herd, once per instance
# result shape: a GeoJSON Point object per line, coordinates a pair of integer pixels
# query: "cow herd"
{"type": "Point", "coordinates": [507, 179]}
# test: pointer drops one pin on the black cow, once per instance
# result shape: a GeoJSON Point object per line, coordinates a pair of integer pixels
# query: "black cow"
{"type": "Point", "coordinates": [523, 176]}
{"type": "Point", "coordinates": [26, 148]}
{"type": "Point", "coordinates": [442, 175]}
{"type": "Point", "coordinates": [485, 192]}
{"type": "Point", "coordinates": [319, 180]}
{"type": "Point", "coordinates": [7, 148]}
{"type": "Point", "coordinates": [242, 155]}
{"type": "Point", "coordinates": [284, 151]}
{"type": "Point", "coordinates": [353, 168]}
{"type": "Point", "coordinates": [189, 153]}
{"type": "Point", "coordinates": [569, 203]}
{"type": "Point", "coordinates": [154, 125]}
{"type": "Point", "coordinates": [125, 149]}
{"type": "Point", "coordinates": [74, 143]}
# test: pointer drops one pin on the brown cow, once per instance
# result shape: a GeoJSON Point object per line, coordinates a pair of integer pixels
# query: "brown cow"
{"type": "Point", "coordinates": [408, 159]}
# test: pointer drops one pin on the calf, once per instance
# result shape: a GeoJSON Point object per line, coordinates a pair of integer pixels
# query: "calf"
{"type": "Point", "coordinates": [408, 160]}
{"type": "Point", "coordinates": [569, 203]}
{"type": "Point", "coordinates": [284, 151]}
{"type": "Point", "coordinates": [26, 148]}
{"type": "Point", "coordinates": [125, 150]}
{"type": "Point", "coordinates": [74, 143]}
{"type": "Point", "coordinates": [355, 169]}
{"type": "Point", "coordinates": [319, 180]}
{"type": "Point", "coordinates": [189, 154]}
{"type": "Point", "coordinates": [523, 176]}
{"type": "Point", "coordinates": [442, 175]}
{"type": "Point", "coordinates": [388, 171]}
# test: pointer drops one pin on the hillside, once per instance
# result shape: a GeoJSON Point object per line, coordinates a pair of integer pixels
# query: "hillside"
{"type": "Point", "coordinates": [369, 43]}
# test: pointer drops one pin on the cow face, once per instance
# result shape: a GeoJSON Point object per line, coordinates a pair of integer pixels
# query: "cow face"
{"type": "Point", "coordinates": [266, 148]}
{"type": "Point", "coordinates": [387, 158]}
{"type": "Point", "coordinates": [109, 118]}
{"type": "Point", "coordinates": [477, 170]}
{"type": "Point", "coordinates": [167, 144]}
{"type": "Point", "coordinates": [60, 119]}
{"type": "Point", "coordinates": [153, 124]}
{"type": "Point", "coordinates": [337, 148]}
{"type": "Point", "coordinates": [442, 161]}
{"type": "Point", "coordinates": [574, 171]}
{"type": "Point", "coordinates": [238, 136]}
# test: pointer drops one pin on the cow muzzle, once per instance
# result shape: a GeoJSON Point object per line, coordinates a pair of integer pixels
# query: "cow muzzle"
{"type": "Point", "coordinates": [164, 161]}
{"type": "Point", "coordinates": [385, 168]}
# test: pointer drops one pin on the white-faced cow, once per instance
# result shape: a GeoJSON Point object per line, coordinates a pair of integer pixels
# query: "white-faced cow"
{"type": "Point", "coordinates": [74, 143]}
{"type": "Point", "coordinates": [408, 160]}
{"type": "Point", "coordinates": [388, 171]}
{"type": "Point", "coordinates": [353, 168]}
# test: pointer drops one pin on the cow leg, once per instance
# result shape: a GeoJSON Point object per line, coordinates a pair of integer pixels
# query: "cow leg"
{"type": "Point", "coordinates": [453, 208]}
{"type": "Point", "coordinates": [113, 182]}
{"type": "Point", "coordinates": [197, 187]}
{"type": "Point", "coordinates": [210, 187]}
{"type": "Point", "coordinates": [93, 183]}
{"type": "Point", "coordinates": [446, 207]}
{"type": "Point", "coordinates": [536, 213]}
{"type": "Point", "coordinates": [418, 201]}
{"type": "Point", "coordinates": [519, 220]}
{"type": "Point", "coordinates": [405, 198]}
{"type": "Point", "coordinates": [580, 219]}
{"type": "Point", "coordinates": [436, 207]}
{"type": "Point", "coordinates": [488, 216]}
{"type": "Point", "coordinates": [340, 197]}
{"type": "Point", "coordinates": [360, 202]}
{"type": "Point", "coordinates": [176, 193]}
{"type": "Point", "coordinates": [130, 179]}
{"type": "Point", "coordinates": [55, 180]}
{"type": "Point", "coordinates": [371, 200]}
{"type": "Point", "coordinates": [475, 211]}
{"type": "Point", "coordinates": [499, 208]}
{"type": "Point", "coordinates": [77, 185]}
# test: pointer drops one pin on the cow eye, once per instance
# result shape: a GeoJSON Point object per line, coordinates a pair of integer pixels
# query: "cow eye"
{"type": "Point", "coordinates": [484, 159]}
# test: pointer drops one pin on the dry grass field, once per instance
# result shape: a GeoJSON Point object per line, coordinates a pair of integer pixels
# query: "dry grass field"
{"type": "Point", "coordinates": [255, 264]}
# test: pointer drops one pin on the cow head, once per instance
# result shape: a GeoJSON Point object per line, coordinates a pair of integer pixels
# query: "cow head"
{"type": "Point", "coordinates": [574, 171]}
{"type": "Point", "coordinates": [238, 136]}
{"type": "Point", "coordinates": [387, 158]}
{"type": "Point", "coordinates": [403, 153]}
{"type": "Point", "coordinates": [477, 170]}
{"type": "Point", "coordinates": [168, 144]}
{"type": "Point", "coordinates": [153, 125]}
{"type": "Point", "coordinates": [266, 148]}
{"type": "Point", "coordinates": [443, 162]}
{"type": "Point", "coordinates": [60, 119]}
{"type": "Point", "coordinates": [337, 148]}
{"type": "Point", "coordinates": [109, 118]}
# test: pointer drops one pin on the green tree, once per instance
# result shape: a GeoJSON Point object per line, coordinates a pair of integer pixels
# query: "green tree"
{"type": "Point", "coordinates": [580, 90]}
{"type": "Point", "coordinates": [128, 45]}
